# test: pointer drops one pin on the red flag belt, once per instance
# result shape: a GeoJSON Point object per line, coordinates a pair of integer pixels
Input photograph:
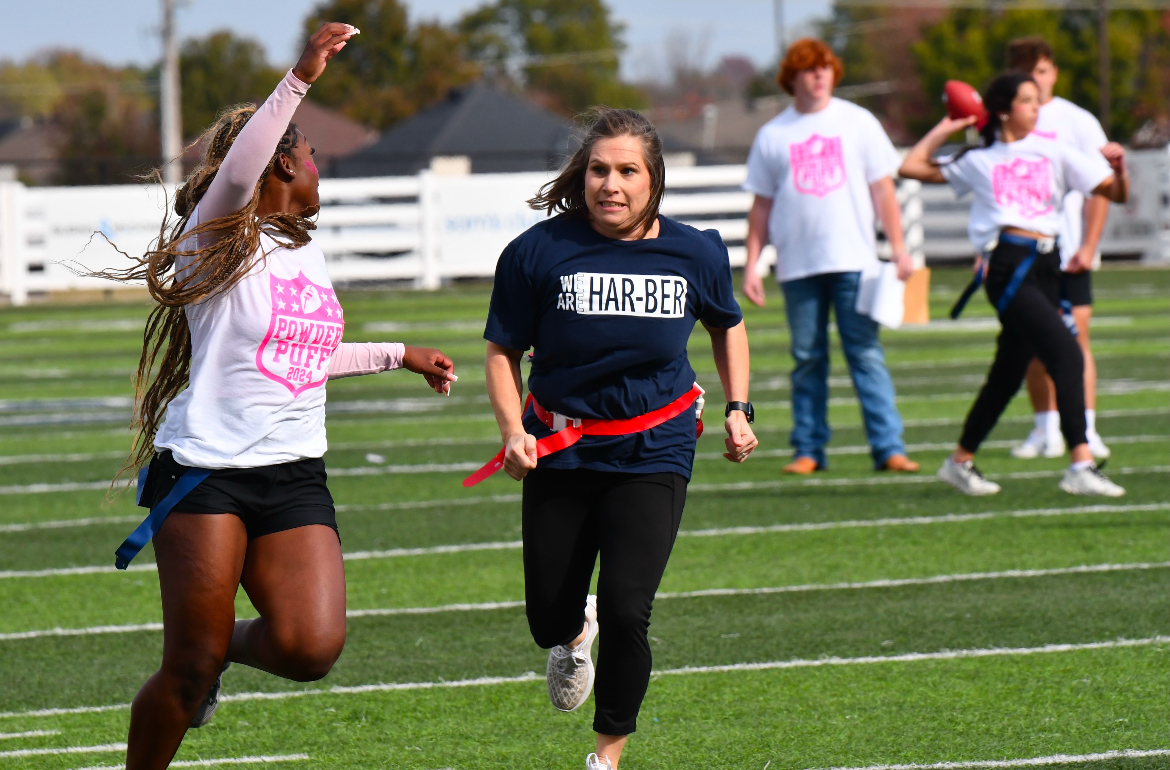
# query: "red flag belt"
{"type": "Point", "coordinates": [575, 429]}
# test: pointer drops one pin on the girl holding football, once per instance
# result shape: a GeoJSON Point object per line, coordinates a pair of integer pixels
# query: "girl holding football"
{"type": "Point", "coordinates": [1019, 181]}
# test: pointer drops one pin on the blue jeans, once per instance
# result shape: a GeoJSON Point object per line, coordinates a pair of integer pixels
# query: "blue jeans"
{"type": "Point", "coordinates": [807, 302]}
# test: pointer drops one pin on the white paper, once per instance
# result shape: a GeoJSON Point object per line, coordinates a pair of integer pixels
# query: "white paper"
{"type": "Point", "coordinates": [881, 296]}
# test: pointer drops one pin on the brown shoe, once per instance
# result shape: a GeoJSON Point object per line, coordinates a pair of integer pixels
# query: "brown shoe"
{"type": "Point", "coordinates": [801, 465]}
{"type": "Point", "coordinates": [901, 464]}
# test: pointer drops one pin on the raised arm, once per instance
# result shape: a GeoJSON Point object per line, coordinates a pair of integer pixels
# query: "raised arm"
{"type": "Point", "coordinates": [918, 164]}
{"type": "Point", "coordinates": [235, 181]}
{"type": "Point", "coordinates": [733, 362]}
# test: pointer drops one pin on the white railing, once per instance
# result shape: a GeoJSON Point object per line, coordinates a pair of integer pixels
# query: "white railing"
{"type": "Point", "coordinates": [428, 228]}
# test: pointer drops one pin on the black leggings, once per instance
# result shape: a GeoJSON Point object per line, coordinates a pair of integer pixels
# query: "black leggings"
{"type": "Point", "coordinates": [632, 520]}
{"type": "Point", "coordinates": [1032, 327]}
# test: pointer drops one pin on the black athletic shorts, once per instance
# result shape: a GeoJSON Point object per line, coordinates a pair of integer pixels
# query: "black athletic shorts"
{"type": "Point", "coordinates": [268, 499]}
{"type": "Point", "coordinates": [1077, 288]}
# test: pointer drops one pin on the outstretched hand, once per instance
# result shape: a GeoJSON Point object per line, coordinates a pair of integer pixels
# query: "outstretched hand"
{"type": "Point", "coordinates": [323, 45]}
{"type": "Point", "coordinates": [436, 368]}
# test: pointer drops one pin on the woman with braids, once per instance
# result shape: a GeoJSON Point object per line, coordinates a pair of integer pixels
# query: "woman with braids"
{"type": "Point", "coordinates": [606, 293]}
{"type": "Point", "coordinates": [230, 407]}
{"type": "Point", "coordinates": [1019, 180]}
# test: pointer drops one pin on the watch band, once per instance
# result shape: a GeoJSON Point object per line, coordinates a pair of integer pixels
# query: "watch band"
{"type": "Point", "coordinates": [742, 406]}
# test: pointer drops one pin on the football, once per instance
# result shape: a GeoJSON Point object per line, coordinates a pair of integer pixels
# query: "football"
{"type": "Point", "coordinates": [963, 101]}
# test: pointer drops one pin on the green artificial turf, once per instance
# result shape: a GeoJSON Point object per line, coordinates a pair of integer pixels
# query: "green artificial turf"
{"type": "Point", "coordinates": [66, 372]}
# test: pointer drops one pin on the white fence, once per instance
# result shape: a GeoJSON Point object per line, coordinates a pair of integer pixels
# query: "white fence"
{"type": "Point", "coordinates": [428, 228]}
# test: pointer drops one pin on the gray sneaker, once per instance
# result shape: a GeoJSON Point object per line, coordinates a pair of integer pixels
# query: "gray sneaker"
{"type": "Point", "coordinates": [207, 709]}
{"type": "Point", "coordinates": [1089, 481]}
{"type": "Point", "coordinates": [570, 671]}
{"type": "Point", "coordinates": [966, 478]}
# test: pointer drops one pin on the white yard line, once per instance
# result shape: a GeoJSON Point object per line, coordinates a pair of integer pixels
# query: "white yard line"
{"type": "Point", "coordinates": [258, 760]}
{"type": "Point", "coordinates": [108, 748]}
{"type": "Point", "coordinates": [714, 532]}
{"type": "Point", "coordinates": [934, 446]}
{"type": "Point", "coordinates": [29, 734]}
{"type": "Point", "coordinates": [69, 523]}
{"type": "Point", "coordinates": [531, 676]}
{"type": "Point", "coordinates": [948, 518]}
{"type": "Point", "coordinates": [91, 631]}
{"type": "Point", "coordinates": [95, 569]}
{"type": "Point", "coordinates": [403, 506]}
{"type": "Point", "coordinates": [1112, 388]}
{"type": "Point", "coordinates": [902, 582]}
{"type": "Point", "coordinates": [883, 480]}
{"type": "Point", "coordinates": [1054, 759]}
{"type": "Point", "coordinates": [75, 457]}
{"type": "Point", "coordinates": [912, 657]}
{"type": "Point", "coordinates": [507, 605]}
{"type": "Point", "coordinates": [464, 467]}
{"type": "Point", "coordinates": [415, 504]}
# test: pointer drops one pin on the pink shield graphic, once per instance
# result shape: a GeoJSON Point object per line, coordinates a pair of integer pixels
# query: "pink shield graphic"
{"type": "Point", "coordinates": [305, 329]}
{"type": "Point", "coordinates": [1024, 184]}
{"type": "Point", "coordinates": [818, 165]}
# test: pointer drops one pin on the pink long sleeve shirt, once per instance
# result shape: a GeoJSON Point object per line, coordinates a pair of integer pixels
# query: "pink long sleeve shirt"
{"type": "Point", "coordinates": [263, 351]}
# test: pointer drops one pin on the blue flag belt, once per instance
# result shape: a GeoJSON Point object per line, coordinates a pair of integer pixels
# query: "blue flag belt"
{"type": "Point", "coordinates": [142, 535]}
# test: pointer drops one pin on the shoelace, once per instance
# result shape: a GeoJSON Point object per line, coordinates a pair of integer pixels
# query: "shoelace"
{"type": "Point", "coordinates": [976, 472]}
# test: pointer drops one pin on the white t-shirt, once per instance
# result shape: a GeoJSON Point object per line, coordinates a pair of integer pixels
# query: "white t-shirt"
{"type": "Point", "coordinates": [817, 168]}
{"type": "Point", "coordinates": [1021, 184]}
{"type": "Point", "coordinates": [1062, 121]}
{"type": "Point", "coordinates": [259, 361]}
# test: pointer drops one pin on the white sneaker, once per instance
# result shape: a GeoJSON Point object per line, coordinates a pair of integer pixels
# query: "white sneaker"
{"type": "Point", "coordinates": [966, 478]}
{"type": "Point", "coordinates": [1033, 445]}
{"type": "Point", "coordinates": [1089, 481]}
{"type": "Point", "coordinates": [207, 709]}
{"type": "Point", "coordinates": [570, 671]}
{"type": "Point", "coordinates": [1097, 447]}
{"type": "Point", "coordinates": [1039, 444]}
{"type": "Point", "coordinates": [593, 762]}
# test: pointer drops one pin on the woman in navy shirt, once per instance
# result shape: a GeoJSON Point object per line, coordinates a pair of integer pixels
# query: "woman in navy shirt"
{"type": "Point", "coordinates": [606, 293]}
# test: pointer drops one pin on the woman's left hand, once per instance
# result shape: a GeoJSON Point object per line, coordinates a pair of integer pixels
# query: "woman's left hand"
{"type": "Point", "coordinates": [436, 368]}
{"type": "Point", "coordinates": [740, 441]}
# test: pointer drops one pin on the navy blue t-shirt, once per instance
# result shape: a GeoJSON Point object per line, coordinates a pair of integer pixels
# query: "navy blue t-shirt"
{"type": "Point", "coordinates": [609, 322]}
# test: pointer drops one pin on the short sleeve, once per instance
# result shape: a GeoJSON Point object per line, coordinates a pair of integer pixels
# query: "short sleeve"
{"type": "Point", "coordinates": [511, 320]}
{"type": "Point", "coordinates": [718, 307]}
{"type": "Point", "coordinates": [881, 158]}
{"type": "Point", "coordinates": [1090, 136]}
{"type": "Point", "coordinates": [957, 171]}
{"type": "Point", "coordinates": [763, 172]}
{"type": "Point", "coordinates": [1084, 171]}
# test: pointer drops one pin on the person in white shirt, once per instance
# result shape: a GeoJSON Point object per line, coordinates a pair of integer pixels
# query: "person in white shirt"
{"type": "Point", "coordinates": [1081, 227]}
{"type": "Point", "coordinates": [820, 170]}
{"type": "Point", "coordinates": [1019, 182]}
{"type": "Point", "coordinates": [230, 411]}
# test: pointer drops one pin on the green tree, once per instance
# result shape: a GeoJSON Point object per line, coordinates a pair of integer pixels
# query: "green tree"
{"type": "Point", "coordinates": [971, 45]}
{"type": "Point", "coordinates": [218, 71]}
{"type": "Point", "coordinates": [392, 69]}
{"type": "Point", "coordinates": [566, 50]}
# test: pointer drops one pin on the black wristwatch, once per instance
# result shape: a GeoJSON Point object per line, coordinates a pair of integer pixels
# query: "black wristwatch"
{"type": "Point", "coordinates": [743, 406]}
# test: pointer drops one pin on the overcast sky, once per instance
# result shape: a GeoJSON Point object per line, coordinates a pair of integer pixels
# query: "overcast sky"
{"type": "Point", "coordinates": [125, 31]}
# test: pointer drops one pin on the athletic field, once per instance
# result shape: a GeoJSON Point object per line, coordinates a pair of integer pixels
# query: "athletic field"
{"type": "Point", "coordinates": [852, 619]}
